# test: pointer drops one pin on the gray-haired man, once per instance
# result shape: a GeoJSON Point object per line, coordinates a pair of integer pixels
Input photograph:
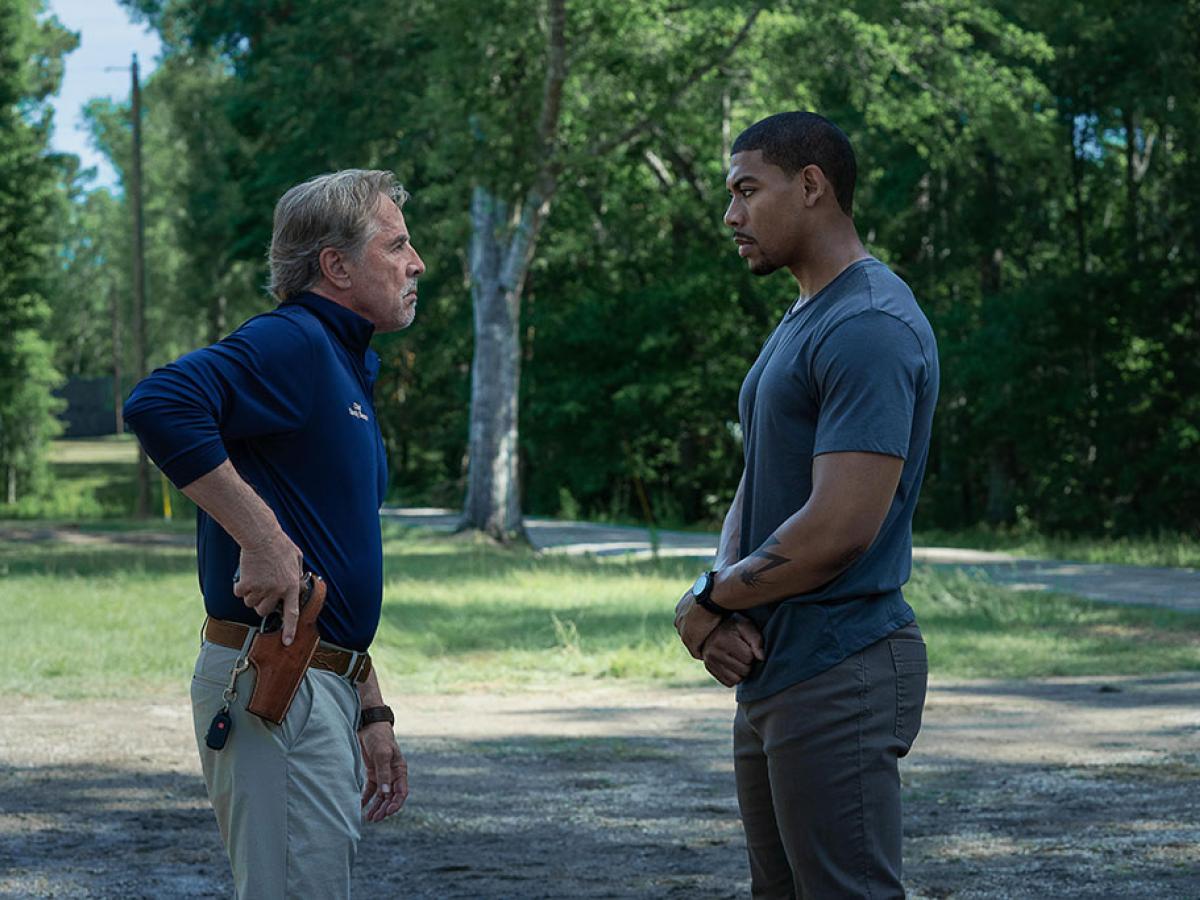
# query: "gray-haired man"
{"type": "Point", "coordinates": [272, 432]}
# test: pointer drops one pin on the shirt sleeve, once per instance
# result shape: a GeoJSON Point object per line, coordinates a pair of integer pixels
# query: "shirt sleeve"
{"type": "Point", "coordinates": [256, 382]}
{"type": "Point", "coordinates": [868, 371]}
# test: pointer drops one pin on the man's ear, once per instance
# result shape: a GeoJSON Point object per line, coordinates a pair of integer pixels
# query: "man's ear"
{"type": "Point", "coordinates": [813, 183]}
{"type": "Point", "coordinates": [333, 268]}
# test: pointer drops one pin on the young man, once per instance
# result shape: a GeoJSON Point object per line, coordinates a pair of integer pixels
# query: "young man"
{"type": "Point", "coordinates": [804, 610]}
{"type": "Point", "coordinates": [272, 432]}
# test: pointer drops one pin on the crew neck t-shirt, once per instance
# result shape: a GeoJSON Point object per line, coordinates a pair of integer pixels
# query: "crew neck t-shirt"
{"type": "Point", "coordinates": [854, 369]}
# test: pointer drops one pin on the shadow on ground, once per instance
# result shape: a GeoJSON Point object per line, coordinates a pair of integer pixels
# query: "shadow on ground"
{"type": "Point", "coordinates": [1015, 789]}
{"type": "Point", "coordinates": [522, 817]}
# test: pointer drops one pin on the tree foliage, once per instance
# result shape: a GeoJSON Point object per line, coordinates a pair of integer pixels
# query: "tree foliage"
{"type": "Point", "coordinates": [31, 203]}
{"type": "Point", "coordinates": [1030, 169]}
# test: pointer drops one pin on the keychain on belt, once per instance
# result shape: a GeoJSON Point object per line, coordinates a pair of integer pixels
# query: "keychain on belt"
{"type": "Point", "coordinates": [222, 723]}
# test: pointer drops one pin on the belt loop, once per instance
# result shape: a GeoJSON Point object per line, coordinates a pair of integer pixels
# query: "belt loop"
{"type": "Point", "coordinates": [355, 656]}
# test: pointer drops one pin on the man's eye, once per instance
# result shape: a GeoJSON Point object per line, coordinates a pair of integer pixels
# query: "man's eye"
{"type": "Point", "coordinates": [746, 192]}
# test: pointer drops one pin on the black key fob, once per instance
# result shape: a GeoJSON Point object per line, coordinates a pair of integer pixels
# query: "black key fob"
{"type": "Point", "coordinates": [218, 731]}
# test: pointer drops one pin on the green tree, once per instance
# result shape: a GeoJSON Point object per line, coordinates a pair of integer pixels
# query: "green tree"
{"type": "Point", "coordinates": [31, 195]}
{"type": "Point", "coordinates": [1030, 170]}
{"type": "Point", "coordinates": [479, 77]}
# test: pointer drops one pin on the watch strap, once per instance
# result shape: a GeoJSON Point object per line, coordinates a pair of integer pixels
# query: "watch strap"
{"type": "Point", "coordinates": [372, 714]}
{"type": "Point", "coordinates": [705, 600]}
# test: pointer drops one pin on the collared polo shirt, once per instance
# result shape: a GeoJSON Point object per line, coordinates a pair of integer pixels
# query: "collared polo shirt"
{"type": "Point", "coordinates": [288, 399]}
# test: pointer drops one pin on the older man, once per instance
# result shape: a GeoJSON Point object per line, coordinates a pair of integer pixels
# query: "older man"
{"type": "Point", "coordinates": [272, 432]}
{"type": "Point", "coordinates": [804, 610]}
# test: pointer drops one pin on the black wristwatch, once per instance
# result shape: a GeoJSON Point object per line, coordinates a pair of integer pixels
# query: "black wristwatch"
{"type": "Point", "coordinates": [702, 594]}
{"type": "Point", "coordinates": [373, 714]}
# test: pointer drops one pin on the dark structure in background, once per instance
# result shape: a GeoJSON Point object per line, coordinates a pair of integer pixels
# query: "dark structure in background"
{"type": "Point", "coordinates": [89, 411]}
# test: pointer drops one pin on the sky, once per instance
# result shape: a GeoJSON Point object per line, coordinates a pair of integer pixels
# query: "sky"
{"type": "Point", "coordinates": [107, 38]}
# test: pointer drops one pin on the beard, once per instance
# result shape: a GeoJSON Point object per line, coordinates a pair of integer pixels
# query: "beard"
{"type": "Point", "coordinates": [763, 265]}
{"type": "Point", "coordinates": [406, 312]}
{"type": "Point", "coordinates": [408, 309]}
{"type": "Point", "coordinates": [407, 315]}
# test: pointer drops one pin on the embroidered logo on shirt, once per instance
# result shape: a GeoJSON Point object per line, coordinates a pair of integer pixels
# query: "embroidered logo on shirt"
{"type": "Point", "coordinates": [356, 410]}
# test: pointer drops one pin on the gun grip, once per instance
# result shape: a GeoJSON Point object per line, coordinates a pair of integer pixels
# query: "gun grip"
{"type": "Point", "coordinates": [280, 669]}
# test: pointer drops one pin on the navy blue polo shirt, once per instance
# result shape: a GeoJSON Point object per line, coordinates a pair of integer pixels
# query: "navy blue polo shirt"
{"type": "Point", "coordinates": [287, 398]}
{"type": "Point", "coordinates": [855, 369]}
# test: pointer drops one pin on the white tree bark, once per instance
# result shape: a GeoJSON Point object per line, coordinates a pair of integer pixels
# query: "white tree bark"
{"type": "Point", "coordinates": [493, 487]}
{"type": "Point", "coordinates": [503, 242]}
{"type": "Point", "coordinates": [502, 247]}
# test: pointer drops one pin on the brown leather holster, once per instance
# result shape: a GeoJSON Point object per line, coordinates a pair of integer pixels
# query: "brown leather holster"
{"type": "Point", "coordinates": [280, 669]}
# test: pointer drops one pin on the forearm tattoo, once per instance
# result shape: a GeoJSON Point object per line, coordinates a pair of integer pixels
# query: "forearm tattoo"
{"type": "Point", "coordinates": [772, 561]}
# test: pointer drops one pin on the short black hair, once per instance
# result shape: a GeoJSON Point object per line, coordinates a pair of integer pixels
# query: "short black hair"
{"type": "Point", "coordinates": [793, 140]}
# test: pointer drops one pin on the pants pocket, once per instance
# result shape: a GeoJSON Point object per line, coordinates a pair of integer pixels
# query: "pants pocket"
{"type": "Point", "coordinates": [912, 676]}
{"type": "Point", "coordinates": [298, 714]}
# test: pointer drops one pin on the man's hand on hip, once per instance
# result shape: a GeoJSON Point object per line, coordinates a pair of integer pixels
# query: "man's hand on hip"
{"type": "Point", "coordinates": [269, 574]}
{"type": "Point", "coordinates": [387, 772]}
{"type": "Point", "coordinates": [732, 649]}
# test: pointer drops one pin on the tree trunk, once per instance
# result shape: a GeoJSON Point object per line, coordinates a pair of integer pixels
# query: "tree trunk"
{"type": "Point", "coordinates": [1132, 230]}
{"type": "Point", "coordinates": [503, 241]}
{"type": "Point", "coordinates": [139, 283]}
{"type": "Point", "coordinates": [216, 318]}
{"type": "Point", "coordinates": [493, 501]}
{"type": "Point", "coordinates": [502, 247]}
{"type": "Point", "coordinates": [1081, 243]}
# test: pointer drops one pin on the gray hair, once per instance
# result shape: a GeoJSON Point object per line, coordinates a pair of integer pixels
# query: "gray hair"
{"type": "Point", "coordinates": [335, 210]}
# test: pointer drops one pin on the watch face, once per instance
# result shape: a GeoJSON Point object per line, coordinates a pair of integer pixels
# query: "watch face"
{"type": "Point", "coordinates": [700, 585]}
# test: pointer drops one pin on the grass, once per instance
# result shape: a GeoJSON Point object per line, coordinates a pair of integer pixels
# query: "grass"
{"type": "Point", "coordinates": [95, 479]}
{"type": "Point", "coordinates": [114, 619]}
{"type": "Point", "coordinates": [975, 629]}
{"type": "Point", "coordinates": [1167, 549]}
{"type": "Point", "coordinates": [103, 616]}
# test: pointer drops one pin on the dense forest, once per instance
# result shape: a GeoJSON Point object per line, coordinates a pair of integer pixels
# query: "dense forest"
{"type": "Point", "coordinates": [1031, 169]}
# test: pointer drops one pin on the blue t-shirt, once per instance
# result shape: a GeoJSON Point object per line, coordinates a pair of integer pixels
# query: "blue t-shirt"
{"type": "Point", "coordinates": [855, 369]}
{"type": "Point", "coordinates": [287, 398]}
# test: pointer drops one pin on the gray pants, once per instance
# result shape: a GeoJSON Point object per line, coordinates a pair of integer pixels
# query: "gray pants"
{"type": "Point", "coordinates": [817, 776]}
{"type": "Point", "coordinates": [287, 798]}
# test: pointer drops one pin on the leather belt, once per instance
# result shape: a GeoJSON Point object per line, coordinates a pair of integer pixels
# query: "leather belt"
{"type": "Point", "coordinates": [349, 664]}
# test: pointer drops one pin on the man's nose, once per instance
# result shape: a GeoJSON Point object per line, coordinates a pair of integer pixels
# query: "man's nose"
{"type": "Point", "coordinates": [417, 266]}
{"type": "Point", "coordinates": [732, 214]}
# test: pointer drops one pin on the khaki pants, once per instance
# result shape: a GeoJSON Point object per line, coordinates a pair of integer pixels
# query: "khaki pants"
{"type": "Point", "coordinates": [287, 798]}
{"type": "Point", "coordinates": [817, 775]}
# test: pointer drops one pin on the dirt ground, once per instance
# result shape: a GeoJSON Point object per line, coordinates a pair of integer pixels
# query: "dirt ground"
{"type": "Point", "coordinates": [1080, 787]}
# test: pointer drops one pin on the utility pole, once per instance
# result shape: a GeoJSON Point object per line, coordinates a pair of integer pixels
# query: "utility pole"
{"type": "Point", "coordinates": [115, 308]}
{"type": "Point", "coordinates": [139, 280]}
